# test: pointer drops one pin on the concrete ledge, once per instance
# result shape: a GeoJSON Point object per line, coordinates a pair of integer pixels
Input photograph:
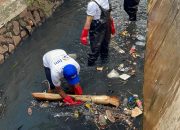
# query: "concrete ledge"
{"type": "Point", "coordinates": [10, 9]}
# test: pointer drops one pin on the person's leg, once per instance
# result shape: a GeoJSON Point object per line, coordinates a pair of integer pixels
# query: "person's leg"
{"type": "Point", "coordinates": [48, 77]}
{"type": "Point", "coordinates": [96, 35]}
{"type": "Point", "coordinates": [105, 44]}
{"type": "Point", "coordinates": [131, 8]}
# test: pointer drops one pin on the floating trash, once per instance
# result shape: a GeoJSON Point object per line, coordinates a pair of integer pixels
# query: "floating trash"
{"type": "Point", "coordinates": [124, 33]}
{"type": "Point", "coordinates": [133, 49]}
{"type": "Point", "coordinates": [110, 116]}
{"type": "Point", "coordinates": [127, 111]}
{"type": "Point", "coordinates": [116, 47]}
{"type": "Point", "coordinates": [33, 103]}
{"type": "Point", "coordinates": [138, 43]}
{"type": "Point", "coordinates": [88, 118]}
{"type": "Point", "coordinates": [44, 104]}
{"type": "Point", "coordinates": [63, 114]}
{"type": "Point", "coordinates": [102, 120]}
{"type": "Point", "coordinates": [89, 106]}
{"type": "Point", "coordinates": [60, 104]}
{"type": "Point", "coordinates": [136, 112]}
{"type": "Point", "coordinates": [99, 68]}
{"type": "Point", "coordinates": [125, 101]}
{"type": "Point", "coordinates": [74, 56]}
{"type": "Point", "coordinates": [76, 114]}
{"type": "Point", "coordinates": [131, 102]}
{"type": "Point", "coordinates": [124, 76]}
{"type": "Point", "coordinates": [140, 37]}
{"type": "Point", "coordinates": [29, 111]}
{"type": "Point", "coordinates": [113, 74]}
{"type": "Point", "coordinates": [121, 67]}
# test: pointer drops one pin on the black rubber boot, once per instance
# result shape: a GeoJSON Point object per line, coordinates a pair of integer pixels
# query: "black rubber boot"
{"type": "Point", "coordinates": [132, 17]}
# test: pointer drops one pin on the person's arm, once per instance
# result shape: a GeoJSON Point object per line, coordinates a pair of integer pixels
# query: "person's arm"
{"type": "Point", "coordinates": [66, 98]}
{"type": "Point", "coordinates": [56, 81]}
{"type": "Point", "coordinates": [77, 89]}
{"type": "Point", "coordinates": [88, 22]}
{"type": "Point", "coordinates": [61, 92]}
{"type": "Point", "coordinates": [85, 30]}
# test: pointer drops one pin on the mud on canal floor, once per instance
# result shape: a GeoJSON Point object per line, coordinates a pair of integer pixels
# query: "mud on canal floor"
{"type": "Point", "coordinates": [23, 73]}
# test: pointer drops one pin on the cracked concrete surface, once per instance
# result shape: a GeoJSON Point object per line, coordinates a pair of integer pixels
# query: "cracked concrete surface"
{"type": "Point", "coordinates": [10, 9]}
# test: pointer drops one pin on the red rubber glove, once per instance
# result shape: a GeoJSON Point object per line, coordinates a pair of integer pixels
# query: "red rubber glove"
{"type": "Point", "coordinates": [69, 101]}
{"type": "Point", "coordinates": [78, 90]}
{"type": "Point", "coordinates": [84, 35]}
{"type": "Point", "coordinates": [113, 31]}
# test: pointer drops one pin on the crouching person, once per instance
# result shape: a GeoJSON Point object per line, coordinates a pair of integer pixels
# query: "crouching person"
{"type": "Point", "coordinates": [59, 65]}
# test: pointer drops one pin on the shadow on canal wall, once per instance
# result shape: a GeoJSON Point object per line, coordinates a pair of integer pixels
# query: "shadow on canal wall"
{"type": "Point", "coordinates": [18, 21]}
{"type": "Point", "coordinates": [162, 67]}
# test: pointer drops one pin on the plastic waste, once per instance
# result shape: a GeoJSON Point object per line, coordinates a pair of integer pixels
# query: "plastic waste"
{"type": "Point", "coordinates": [62, 114]}
{"type": "Point", "coordinates": [99, 68]}
{"type": "Point", "coordinates": [138, 43]}
{"type": "Point", "coordinates": [74, 56]}
{"type": "Point", "coordinates": [102, 120]}
{"type": "Point", "coordinates": [113, 74]}
{"type": "Point", "coordinates": [125, 101]}
{"type": "Point", "coordinates": [136, 112]}
{"type": "Point", "coordinates": [29, 111]}
{"type": "Point", "coordinates": [140, 37]}
{"type": "Point", "coordinates": [133, 49]}
{"type": "Point", "coordinates": [121, 67]}
{"type": "Point", "coordinates": [110, 116]}
{"type": "Point", "coordinates": [125, 33]}
{"type": "Point", "coordinates": [44, 104]}
{"type": "Point", "coordinates": [33, 103]}
{"type": "Point", "coordinates": [131, 102]}
{"type": "Point", "coordinates": [89, 106]}
{"type": "Point", "coordinates": [139, 103]}
{"type": "Point", "coordinates": [124, 76]}
{"type": "Point", "coordinates": [88, 117]}
{"type": "Point", "coordinates": [127, 111]}
{"type": "Point", "coordinates": [76, 114]}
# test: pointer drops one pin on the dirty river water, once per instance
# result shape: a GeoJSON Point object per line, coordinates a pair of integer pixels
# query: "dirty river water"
{"type": "Point", "coordinates": [23, 72]}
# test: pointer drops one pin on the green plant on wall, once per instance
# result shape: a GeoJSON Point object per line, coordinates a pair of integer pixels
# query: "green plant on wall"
{"type": "Point", "coordinates": [29, 2]}
{"type": "Point", "coordinates": [45, 5]}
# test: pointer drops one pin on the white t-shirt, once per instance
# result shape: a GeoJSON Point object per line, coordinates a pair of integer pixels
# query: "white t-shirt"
{"type": "Point", "coordinates": [94, 10]}
{"type": "Point", "coordinates": [55, 60]}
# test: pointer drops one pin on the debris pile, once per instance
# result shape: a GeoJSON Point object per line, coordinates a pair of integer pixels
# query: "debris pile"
{"type": "Point", "coordinates": [101, 115]}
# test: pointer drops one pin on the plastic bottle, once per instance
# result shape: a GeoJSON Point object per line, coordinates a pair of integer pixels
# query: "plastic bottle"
{"type": "Point", "coordinates": [139, 103]}
{"type": "Point", "coordinates": [131, 102]}
{"type": "Point", "coordinates": [133, 49]}
{"type": "Point", "coordinates": [125, 101]}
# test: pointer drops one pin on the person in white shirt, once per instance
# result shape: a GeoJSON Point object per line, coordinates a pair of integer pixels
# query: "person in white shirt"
{"type": "Point", "coordinates": [99, 24]}
{"type": "Point", "coordinates": [59, 65]}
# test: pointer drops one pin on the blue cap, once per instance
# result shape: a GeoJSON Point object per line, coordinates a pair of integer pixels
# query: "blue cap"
{"type": "Point", "coordinates": [70, 74]}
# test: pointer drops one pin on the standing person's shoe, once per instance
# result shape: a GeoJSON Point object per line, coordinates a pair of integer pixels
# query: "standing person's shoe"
{"type": "Point", "coordinates": [132, 17]}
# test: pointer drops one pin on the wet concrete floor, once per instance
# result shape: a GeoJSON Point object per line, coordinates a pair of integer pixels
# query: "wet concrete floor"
{"type": "Point", "coordinates": [23, 72]}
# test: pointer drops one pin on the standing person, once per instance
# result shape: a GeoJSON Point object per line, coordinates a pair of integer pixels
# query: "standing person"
{"type": "Point", "coordinates": [99, 24]}
{"type": "Point", "coordinates": [131, 8]}
{"type": "Point", "coordinates": [58, 65]}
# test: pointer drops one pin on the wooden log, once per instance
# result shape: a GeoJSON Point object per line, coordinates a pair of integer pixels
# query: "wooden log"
{"type": "Point", "coordinates": [99, 99]}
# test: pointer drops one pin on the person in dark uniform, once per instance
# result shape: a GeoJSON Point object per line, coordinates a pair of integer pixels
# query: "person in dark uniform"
{"type": "Point", "coordinates": [131, 8]}
{"type": "Point", "coordinates": [99, 25]}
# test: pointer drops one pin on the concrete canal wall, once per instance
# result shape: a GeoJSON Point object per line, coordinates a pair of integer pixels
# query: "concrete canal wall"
{"type": "Point", "coordinates": [18, 19]}
{"type": "Point", "coordinates": [162, 66]}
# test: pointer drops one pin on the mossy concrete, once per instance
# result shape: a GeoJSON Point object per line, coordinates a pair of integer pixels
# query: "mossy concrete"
{"type": "Point", "coordinates": [10, 9]}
